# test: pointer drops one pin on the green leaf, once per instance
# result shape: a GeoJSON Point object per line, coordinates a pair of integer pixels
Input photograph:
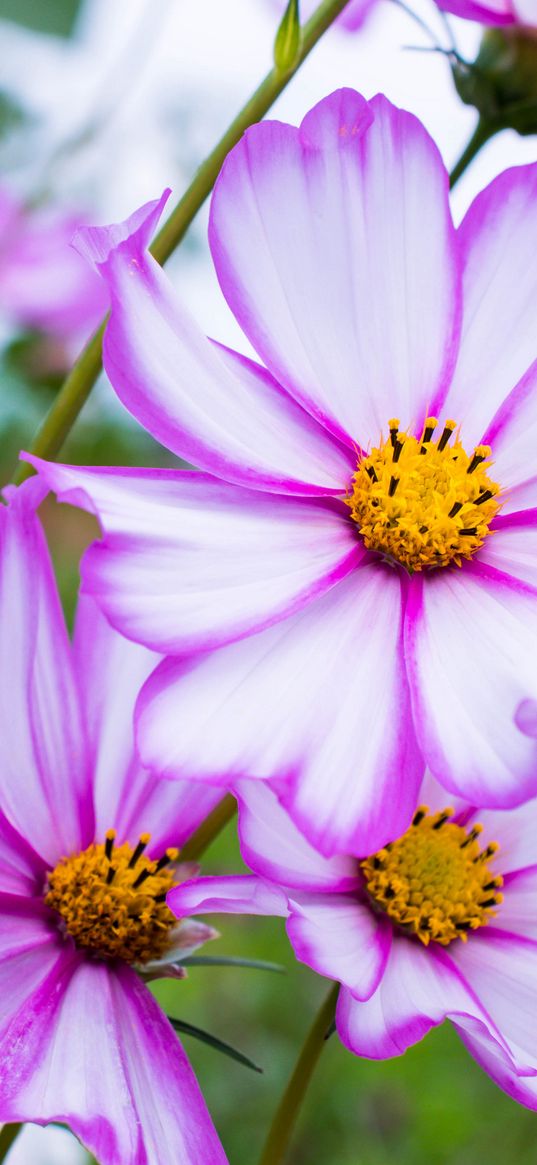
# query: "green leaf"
{"type": "Point", "coordinates": [53, 16]}
{"type": "Point", "coordinates": [223, 961]}
{"type": "Point", "coordinates": [189, 1029]}
{"type": "Point", "coordinates": [288, 36]}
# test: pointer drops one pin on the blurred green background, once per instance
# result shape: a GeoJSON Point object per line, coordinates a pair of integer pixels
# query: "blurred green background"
{"type": "Point", "coordinates": [433, 1106]}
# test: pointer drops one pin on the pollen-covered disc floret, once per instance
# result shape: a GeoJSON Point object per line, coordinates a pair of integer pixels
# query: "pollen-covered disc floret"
{"type": "Point", "coordinates": [424, 503]}
{"type": "Point", "coordinates": [112, 900]}
{"type": "Point", "coordinates": [435, 882]}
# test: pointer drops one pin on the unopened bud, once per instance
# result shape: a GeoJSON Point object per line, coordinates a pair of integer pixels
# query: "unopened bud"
{"type": "Point", "coordinates": [288, 38]}
{"type": "Point", "coordinates": [502, 81]}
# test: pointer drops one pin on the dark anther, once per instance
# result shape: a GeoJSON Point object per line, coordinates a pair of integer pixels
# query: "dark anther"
{"type": "Point", "coordinates": [418, 816]}
{"type": "Point", "coordinates": [462, 926]}
{"type": "Point", "coordinates": [471, 837]}
{"type": "Point", "coordinates": [377, 865]}
{"type": "Point", "coordinates": [110, 875]}
{"type": "Point", "coordinates": [397, 450]}
{"type": "Point", "coordinates": [484, 497]}
{"type": "Point", "coordinates": [108, 846]}
{"type": "Point", "coordinates": [393, 434]}
{"type": "Point", "coordinates": [448, 432]}
{"type": "Point", "coordinates": [371, 473]}
{"type": "Point", "coordinates": [141, 878]}
{"type": "Point", "coordinates": [424, 529]}
{"type": "Point", "coordinates": [163, 861]}
{"type": "Point", "coordinates": [488, 902]}
{"type": "Point", "coordinates": [137, 853]}
{"type": "Point", "coordinates": [455, 509]}
{"type": "Point", "coordinates": [442, 820]}
{"type": "Point", "coordinates": [476, 460]}
{"type": "Point", "coordinates": [389, 892]}
{"type": "Point", "coordinates": [160, 897]}
{"type": "Point", "coordinates": [491, 885]}
{"type": "Point", "coordinates": [468, 531]}
{"type": "Point", "coordinates": [427, 434]}
{"type": "Point", "coordinates": [394, 482]}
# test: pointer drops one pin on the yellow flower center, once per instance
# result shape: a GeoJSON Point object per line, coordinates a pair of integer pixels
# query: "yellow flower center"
{"type": "Point", "coordinates": [112, 901]}
{"type": "Point", "coordinates": [434, 881]}
{"type": "Point", "coordinates": [424, 503]}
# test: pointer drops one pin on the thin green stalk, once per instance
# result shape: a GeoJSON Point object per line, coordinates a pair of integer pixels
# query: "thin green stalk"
{"type": "Point", "coordinates": [209, 829]}
{"type": "Point", "coordinates": [289, 1107]}
{"type": "Point", "coordinates": [80, 381]}
{"type": "Point", "coordinates": [8, 1134]}
{"type": "Point", "coordinates": [483, 132]}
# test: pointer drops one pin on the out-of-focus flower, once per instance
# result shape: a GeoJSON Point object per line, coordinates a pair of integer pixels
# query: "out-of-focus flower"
{"type": "Point", "coordinates": [44, 284]}
{"type": "Point", "coordinates": [521, 12]}
{"type": "Point", "coordinates": [332, 586]}
{"type": "Point", "coordinates": [85, 864]}
{"type": "Point", "coordinates": [440, 924]}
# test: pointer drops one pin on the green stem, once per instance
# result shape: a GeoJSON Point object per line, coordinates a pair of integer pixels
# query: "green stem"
{"type": "Point", "coordinates": [483, 132]}
{"type": "Point", "coordinates": [209, 829]}
{"type": "Point", "coordinates": [8, 1134]}
{"type": "Point", "coordinates": [289, 1107]}
{"type": "Point", "coordinates": [79, 383]}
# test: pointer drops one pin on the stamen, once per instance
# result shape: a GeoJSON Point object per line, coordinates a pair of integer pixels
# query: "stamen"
{"type": "Point", "coordinates": [397, 449]}
{"type": "Point", "coordinates": [481, 454]}
{"type": "Point", "coordinates": [474, 832]}
{"type": "Point", "coordinates": [394, 482]}
{"type": "Point", "coordinates": [370, 470]}
{"type": "Point", "coordinates": [110, 875]}
{"type": "Point", "coordinates": [455, 509]}
{"type": "Point", "coordinates": [394, 429]}
{"type": "Point", "coordinates": [445, 816]}
{"type": "Point", "coordinates": [449, 429]}
{"type": "Point", "coordinates": [429, 428]}
{"type": "Point", "coordinates": [141, 878]}
{"type": "Point", "coordinates": [110, 838]}
{"type": "Point", "coordinates": [145, 838]}
{"type": "Point", "coordinates": [170, 855]}
{"type": "Point", "coordinates": [484, 497]}
{"type": "Point", "coordinates": [420, 814]}
{"type": "Point", "coordinates": [468, 531]}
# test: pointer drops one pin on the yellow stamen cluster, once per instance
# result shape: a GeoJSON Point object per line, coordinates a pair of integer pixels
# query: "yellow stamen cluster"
{"type": "Point", "coordinates": [424, 503]}
{"type": "Point", "coordinates": [112, 901]}
{"type": "Point", "coordinates": [435, 882]}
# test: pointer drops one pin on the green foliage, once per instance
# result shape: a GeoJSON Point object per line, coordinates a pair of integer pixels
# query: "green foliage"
{"type": "Point", "coordinates": [52, 16]}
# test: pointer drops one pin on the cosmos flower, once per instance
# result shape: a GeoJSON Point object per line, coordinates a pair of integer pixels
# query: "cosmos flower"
{"type": "Point", "coordinates": [350, 586]}
{"type": "Point", "coordinates": [86, 857]}
{"type": "Point", "coordinates": [519, 12]}
{"type": "Point", "coordinates": [440, 924]}
{"type": "Point", "coordinates": [43, 283]}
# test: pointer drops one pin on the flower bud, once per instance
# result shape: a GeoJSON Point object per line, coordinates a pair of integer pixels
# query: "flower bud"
{"type": "Point", "coordinates": [288, 36]}
{"type": "Point", "coordinates": [502, 82]}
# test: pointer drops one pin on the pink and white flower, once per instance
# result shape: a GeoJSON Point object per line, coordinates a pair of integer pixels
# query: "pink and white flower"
{"type": "Point", "coordinates": [394, 987]}
{"type": "Point", "coordinates": [82, 1040]}
{"type": "Point", "coordinates": [306, 645]}
{"type": "Point", "coordinates": [44, 285]}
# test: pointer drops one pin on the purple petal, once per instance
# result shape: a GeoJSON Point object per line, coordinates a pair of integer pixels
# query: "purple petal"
{"type": "Point", "coordinates": [500, 299]}
{"type": "Point", "coordinates": [45, 790]}
{"type": "Point", "coordinates": [93, 1049]}
{"type": "Point", "coordinates": [272, 845]}
{"type": "Point", "coordinates": [190, 562]}
{"type": "Point", "coordinates": [215, 408]}
{"type": "Point", "coordinates": [318, 702]}
{"type": "Point", "coordinates": [30, 951]}
{"type": "Point", "coordinates": [318, 236]}
{"type": "Point", "coordinates": [471, 640]}
{"type": "Point", "coordinates": [341, 938]}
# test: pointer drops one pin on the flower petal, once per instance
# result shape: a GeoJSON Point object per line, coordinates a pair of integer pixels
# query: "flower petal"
{"type": "Point", "coordinates": [341, 938]}
{"type": "Point", "coordinates": [22, 871]}
{"type": "Point", "coordinates": [215, 408]}
{"type": "Point", "coordinates": [92, 1049]}
{"type": "Point", "coordinates": [29, 952]}
{"type": "Point", "coordinates": [419, 990]}
{"type": "Point", "coordinates": [512, 435]}
{"type": "Point", "coordinates": [471, 638]}
{"type": "Point", "coordinates": [501, 969]}
{"type": "Point", "coordinates": [45, 791]}
{"type": "Point", "coordinates": [500, 299]}
{"type": "Point", "coordinates": [516, 833]}
{"type": "Point", "coordinates": [272, 845]}
{"type": "Point", "coordinates": [343, 286]}
{"type": "Point", "coordinates": [111, 671]}
{"type": "Point", "coordinates": [239, 894]}
{"type": "Point", "coordinates": [513, 547]}
{"type": "Point", "coordinates": [190, 562]}
{"type": "Point", "coordinates": [318, 702]}
{"type": "Point", "coordinates": [518, 911]}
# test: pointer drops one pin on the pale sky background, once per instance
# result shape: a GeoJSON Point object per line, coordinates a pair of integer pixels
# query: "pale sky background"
{"type": "Point", "coordinates": [148, 65]}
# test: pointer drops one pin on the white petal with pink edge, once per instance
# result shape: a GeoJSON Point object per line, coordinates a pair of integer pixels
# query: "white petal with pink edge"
{"type": "Point", "coordinates": [272, 845]}
{"type": "Point", "coordinates": [419, 989]}
{"type": "Point", "coordinates": [318, 702]}
{"type": "Point", "coordinates": [512, 436]}
{"type": "Point", "coordinates": [501, 968]}
{"type": "Point", "coordinates": [215, 408]}
{"type": "Point", "coordinates": [190, 562]}
{"type": "Point", "coordinates": [498, 342]}
{"type": "Point", "coordinates": [99, 1055]}
{"type": "Point", "coordinates": [318, 237]}
{"type": "Point", "coordinates": [471, 639]}
{"type": "Point", "coordinates": [46, 791]}
{"type": "Point", "coordinates": [341, 938]}
{"type": "Point", "coordinates": [237, 894]}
